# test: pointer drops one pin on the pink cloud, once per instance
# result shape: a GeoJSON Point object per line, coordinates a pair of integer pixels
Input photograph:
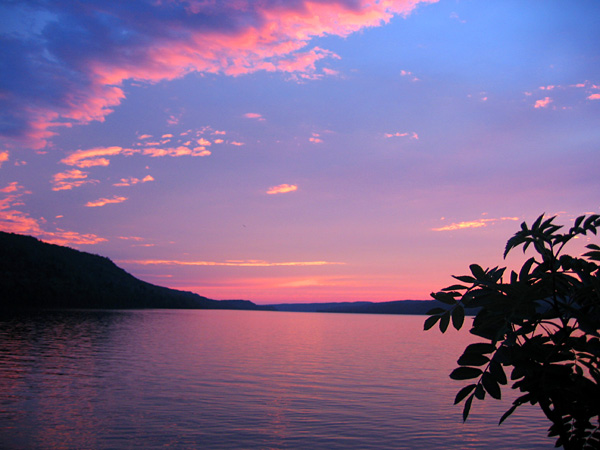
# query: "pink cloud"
{"type": "Point", "coordinates": [3, 157]}
{"type": "Point", "coordinates": [69, 179]}
{"type": "Point", "coordinates": [93, 157]}
{"type": "Point", "coordinates": [411, 135]}
{"type": "Point", "coordinates": [155, 41]}
{"type": "Point", "coordinates": [14, 221]}
{"type": "Point", "coordinates": [406, 73]}
{"type": "Point", "coordinates": [175, 151]}
{"type": "Point", "coordinates": [304, 63]}
{"type": "Point", "coordinates": [282, 189]}
{"type": "Point", "coordinates": [253, 116]}
{"type": "Point", "coordinates": [131, 181]}
{"type": "Point", "coordinates": [105, 201]}
{"type": "Point", "coordinates": [12, 187]}
{"type": "Point", "coordinates": [543, 103]}
{"type": "Point", "coordinates": [201, 151]}
{"type": "Point", "coordinates": [594, 97]}
{"type": "Point", "coordinates": [315, 139]}
{"type": "Point", "coordinates": [232, 263]}
{"type": "Point", "coordinates": [479, 223]}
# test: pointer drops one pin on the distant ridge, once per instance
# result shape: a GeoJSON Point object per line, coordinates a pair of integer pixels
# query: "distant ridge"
{"type": "Point", "coordinates": [393, 307]}
{"type": "Point", "coordinates": [34, 274]}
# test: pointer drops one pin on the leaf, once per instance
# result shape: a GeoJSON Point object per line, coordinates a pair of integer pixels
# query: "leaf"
{"type": "Point", "coordinates": [590, 222]}
{"type": "Point", "coordinates": [480, 347]}
{"type": "Point", "coordinates": [497, 372]}
{"type": "Point", "coordinates": [465, 373]}
{"type": "Point", "coordinates": [578, 222]}
{"type": "Point", "coordinates": [444, 297]}
{"type": "Point", "coordinates": [477, 271]}
{"type": "Point", "coordinates": [513, 242]}
{"type": "Point", "coordinates": [464, 278]}
{"type": "Point", "coordinates": [472, 359]}
{"type": "Point", "coordinates": [491, 386]}
{"type": "Point", "coordinates": [523, 274]}
{"type": "Point", "coordinates": [463, 393]}
{"type": "Point", "coordinates": [445, 321]}
{"type": "Point", "coordinates": [507, 413]}
{"type": "Point", "coordinates": [430, 322]}
{"type": "Point", "coordinates": [467, 408]}
{"type": "Point", "coordinates": [537, 223]}
{"type": "Point", "coordinates": [480, 392]}
{"type": "Point", "coordinates": [436, 311]}
{"type": "Point", "coordinates": [458, 317]}
{"type": "Point", "coordinates": [455, 287]}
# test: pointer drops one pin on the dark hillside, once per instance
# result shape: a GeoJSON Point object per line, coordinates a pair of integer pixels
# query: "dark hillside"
{"type": "Point", "coordinates": [34, 274]}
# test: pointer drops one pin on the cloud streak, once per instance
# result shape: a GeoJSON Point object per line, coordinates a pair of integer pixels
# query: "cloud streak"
{"type": "Point", "coordinates": [68, 65]}
{"type": "Point", "coordinates": [70, 179]}
{"type": "Point", "coordinates": [105, 201]}
{"type": "Point", "coordinates": [131, 181]}
{"type": "Point", "coordinates": [479, 223]}
{"type": "Point", "coordinates": [93, 157]}
{"type": "Point", "coordinates": [282, 189]}
{"type": "Point", "coordinates": [244, 263]}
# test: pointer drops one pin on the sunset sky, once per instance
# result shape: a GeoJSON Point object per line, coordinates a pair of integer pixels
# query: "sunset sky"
{"type": "Point", "coordinates": [297, 151]}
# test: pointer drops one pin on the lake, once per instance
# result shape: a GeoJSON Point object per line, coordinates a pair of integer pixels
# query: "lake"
{"type": "Point", "coordinates": [190, 379]}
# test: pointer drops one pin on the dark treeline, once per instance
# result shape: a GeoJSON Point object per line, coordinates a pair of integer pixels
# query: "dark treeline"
{"type": "Point", "coordinates": [34, 274]}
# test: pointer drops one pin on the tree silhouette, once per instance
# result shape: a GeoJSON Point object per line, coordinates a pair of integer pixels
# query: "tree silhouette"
{"type": "Point", "coordinates": [542, 323]}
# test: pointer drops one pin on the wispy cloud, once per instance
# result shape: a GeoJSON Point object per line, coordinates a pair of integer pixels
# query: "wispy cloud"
{"type": "Point", "coordinates": [12, 220]}
{"type": "Point", "coordinates": [594, 97]}
{"type": "Point", "coordinates": [315, 138]}
{"type": "Point", "coordinates": [105, 201]}
{"type": "Point", "coordinates": [176, 151]}
{"type": "Point", "coordinates": [256, 116]}
{"type": "Point", "coordinates": [411, 135]}
{"type": "Point", "coordinates": [70, 179]}
{"type": "Point", "coordinates": [231, 263]}
{"type": "Point", "coordinates": [479, 223]}
{"type": "Point", "coordinates": [131, 181]}
{"type": "Point", "coordinates": [410, 75]}
{"type": "Point", "coordinates": [282, 189]}
{"type": "Point", "coordinates": [543, 103]}
{"type": "Point", "coordinates": [12, 187]}
{"type": "Point", "coordinates": [94, 156]}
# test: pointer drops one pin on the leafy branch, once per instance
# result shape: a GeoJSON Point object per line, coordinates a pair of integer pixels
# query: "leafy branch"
{"type": "Point", "coordinates": [542, 323]}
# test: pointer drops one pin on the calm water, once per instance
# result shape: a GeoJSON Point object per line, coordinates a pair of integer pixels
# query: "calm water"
{"type": "Point", "coordinates": [240, 380]}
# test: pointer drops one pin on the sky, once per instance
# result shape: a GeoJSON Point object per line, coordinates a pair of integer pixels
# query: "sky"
{"type": "Point", "coordinates": [297, 151]}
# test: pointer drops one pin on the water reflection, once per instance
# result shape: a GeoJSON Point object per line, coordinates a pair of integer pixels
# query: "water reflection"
{"type": "Point", "coordinates": [227, 379]}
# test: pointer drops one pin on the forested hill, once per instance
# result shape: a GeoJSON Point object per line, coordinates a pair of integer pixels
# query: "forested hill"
{"type": "Point", "coordinates": [34, 274]}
